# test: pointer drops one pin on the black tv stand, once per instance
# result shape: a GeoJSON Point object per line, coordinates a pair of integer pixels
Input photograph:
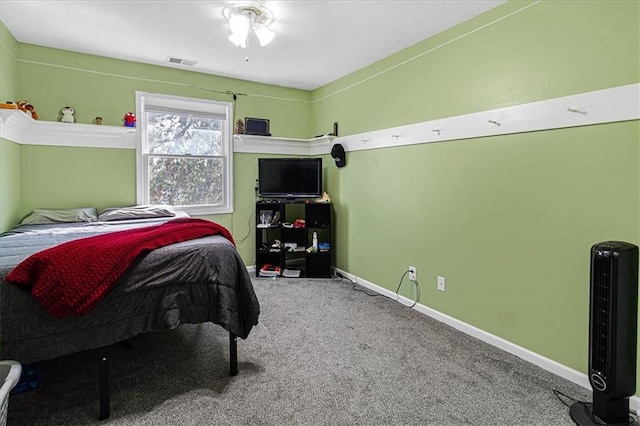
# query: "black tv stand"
{"type": "Point", "coordinates": [282, 243]}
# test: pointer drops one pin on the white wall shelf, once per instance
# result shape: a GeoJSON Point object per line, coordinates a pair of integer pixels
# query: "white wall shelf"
{"type": "Point", "coordinates": [18, 127]}
{"type": "Point", "coordinates": [601, 106]}
{"type": "Point", "coordinates": [274, 145]}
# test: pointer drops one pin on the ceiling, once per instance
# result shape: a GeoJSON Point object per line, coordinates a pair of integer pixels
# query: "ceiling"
{"type": "Point", "coordinates": [317, 42]}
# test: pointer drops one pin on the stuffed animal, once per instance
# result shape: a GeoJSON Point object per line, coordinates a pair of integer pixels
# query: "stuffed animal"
{"type": "Point", "coordinates": [22, 106]}
{"type": "Point", "coordinates": [27, 108]}
{"type": "Point", "coordinates": [129, 119]}
{"type": "Point", "coordinates": [67, 115]}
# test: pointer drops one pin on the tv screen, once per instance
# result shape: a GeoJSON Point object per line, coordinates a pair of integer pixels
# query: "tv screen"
{"type": "Point", "coordinates": [289, 177]}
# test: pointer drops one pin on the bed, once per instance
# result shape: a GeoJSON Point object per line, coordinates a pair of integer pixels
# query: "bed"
{"type": "Point", "coordinates": [189, 282]}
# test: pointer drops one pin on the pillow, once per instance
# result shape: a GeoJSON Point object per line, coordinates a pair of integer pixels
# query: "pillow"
{"type": "Point", "coordinates": [135, 212]}
{"type": "Point", "coordinates": [40, 216]}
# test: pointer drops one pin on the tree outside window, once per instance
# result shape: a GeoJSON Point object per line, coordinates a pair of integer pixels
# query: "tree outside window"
{"type": "Point", "coordinates": [185, 154]}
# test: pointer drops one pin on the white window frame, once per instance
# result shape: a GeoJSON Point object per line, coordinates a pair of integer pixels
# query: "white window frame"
{"type": "Point", "coordinates": [181, 105]}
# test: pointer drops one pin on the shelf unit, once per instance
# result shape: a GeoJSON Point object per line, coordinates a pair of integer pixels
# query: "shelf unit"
{"type": "Point", "coordinates": [18, 127]}
{"type": "Point", "coordinates": [270, 217]}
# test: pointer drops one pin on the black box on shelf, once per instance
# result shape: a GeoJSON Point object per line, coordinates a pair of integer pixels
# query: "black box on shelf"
{"type": "Point", "coordinates": [256, 126]}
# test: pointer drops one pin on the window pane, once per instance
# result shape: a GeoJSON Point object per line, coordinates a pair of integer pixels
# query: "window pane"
{"type": "Point", "coordinates": [171, 133]}
{"type": "Point", "coordinates": [186, 181]}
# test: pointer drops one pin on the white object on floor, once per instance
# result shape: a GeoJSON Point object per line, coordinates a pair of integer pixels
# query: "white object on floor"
{"type": "Point", "coordinates": [10, 372]}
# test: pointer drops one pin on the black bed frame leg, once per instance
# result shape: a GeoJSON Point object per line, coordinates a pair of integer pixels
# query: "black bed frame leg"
{"type": "Point", "coordinates": [103, 387]}
{"type": "Point", "coordinates": [103, 375]}
{"type": "Point", "coordinates": [233, 354]}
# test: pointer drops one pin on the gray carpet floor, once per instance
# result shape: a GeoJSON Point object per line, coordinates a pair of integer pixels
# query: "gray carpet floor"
{"type": "Point", "coordinates": [323, 354]}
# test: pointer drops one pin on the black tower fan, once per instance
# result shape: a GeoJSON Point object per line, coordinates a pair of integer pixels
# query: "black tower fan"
{"type": "Point", "coordinates": [613, 320]}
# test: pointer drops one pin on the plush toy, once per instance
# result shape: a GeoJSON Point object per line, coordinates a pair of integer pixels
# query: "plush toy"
{"type": "Point", "coordinates": [8, 105]}
{"type": "Point", "coordinates": [27, 108]}
{"type": "Point", "coordinates": [34, 114]}
{"type": "Point", "coordinates": [22, 106]}
{"type": "Point", "coordinates": [130, 119]}
{"type": "Point", "coordinates": [67, 115]}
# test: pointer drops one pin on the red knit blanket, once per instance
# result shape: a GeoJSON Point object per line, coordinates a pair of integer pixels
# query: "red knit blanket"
{"type": "Point", "coordinates": [73, 277]}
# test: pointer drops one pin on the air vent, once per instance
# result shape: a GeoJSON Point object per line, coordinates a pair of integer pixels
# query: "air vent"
{"type": "Point", "coordinates": [180, 61]}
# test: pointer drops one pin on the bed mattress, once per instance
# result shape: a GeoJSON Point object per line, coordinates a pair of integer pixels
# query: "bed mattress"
{"type": "Point", "coordinates": [201, 280]}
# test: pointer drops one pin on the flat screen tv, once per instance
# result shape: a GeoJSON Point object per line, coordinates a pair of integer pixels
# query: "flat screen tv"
{"type": "Point", "coordinates": [289, 177]}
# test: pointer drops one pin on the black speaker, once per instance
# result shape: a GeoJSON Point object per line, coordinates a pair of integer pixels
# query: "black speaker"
{"type": "Point", "coordinates": [338, 154]}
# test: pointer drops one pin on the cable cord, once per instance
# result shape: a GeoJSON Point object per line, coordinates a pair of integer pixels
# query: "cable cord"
{"type": "Point", "coordinates": [354, 287]}
{"type": "Point", "coordinates": [417, 290]}
{"type": "Point", "coordinates": [248, 232]}
{"type": "Point", "coordinates": [337, 276]}
{"type": "Point", "coordinates": [562, 397]}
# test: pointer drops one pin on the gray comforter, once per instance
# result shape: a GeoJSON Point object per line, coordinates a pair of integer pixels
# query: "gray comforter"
{"type": "Point", "coordinates": [185, 283]}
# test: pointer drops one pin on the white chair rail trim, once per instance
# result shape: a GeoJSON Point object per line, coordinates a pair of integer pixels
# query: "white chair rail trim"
{"type": "Point", "coordinates": [602, 106]}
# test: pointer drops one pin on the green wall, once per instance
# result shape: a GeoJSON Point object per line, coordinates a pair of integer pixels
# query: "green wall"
{"type": "Point", "coordinates": [9, 184]}
{"type": "Point", "coordinates": [98, 86]}
{"type": "Point", "coordinates": [8, 65]}
{"type": "Point", "coordinates": [508, 220]}
{"type": "Point", "coordinates": [9, 151]}
{"type": "Point", "coordinates": [70, 177]}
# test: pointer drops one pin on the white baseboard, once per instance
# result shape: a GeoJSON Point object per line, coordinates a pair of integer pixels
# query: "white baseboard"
{"type": "Point", "coordinates": [532, 357]}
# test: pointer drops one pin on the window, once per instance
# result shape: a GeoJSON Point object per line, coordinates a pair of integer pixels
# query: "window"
{"type": "Point", "coordinates": [184, 153]}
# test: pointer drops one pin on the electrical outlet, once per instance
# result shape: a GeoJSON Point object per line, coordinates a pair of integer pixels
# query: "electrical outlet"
{"type": "Point", "coordinates": [412, 273]}
{"type": "Point", "coordinates": [441, 283]}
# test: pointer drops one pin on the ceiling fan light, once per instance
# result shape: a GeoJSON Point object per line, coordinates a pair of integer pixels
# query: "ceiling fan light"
{"type": "Point", "coordinates": [238, 39]}
{"type": "Point", "coordinates": [247, 15]}
{"type": "Point", "coordinates": [239, 24]}
{"type": "Point", "coordinates": [264, 34]}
